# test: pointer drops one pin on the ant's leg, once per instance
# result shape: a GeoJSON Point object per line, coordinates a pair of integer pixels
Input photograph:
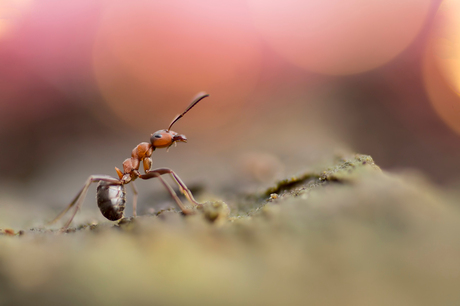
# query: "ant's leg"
{"type": "Point", "coordinates": [157, 173]}
{"type": "Point", "coordinates": [62, 213]}
{"type": "Point", "coordinates": [81, 196]}
{"type": "Point", "coordinates": [171, 191]}
{"type": "Point", "coordinates": [183, 188]}
{"type": "Point", "coordinates": [185, 191]}
{"type": "Point", "coordinates": [134, 199]}
{"type": "Point", "coordinates": [174, 195]}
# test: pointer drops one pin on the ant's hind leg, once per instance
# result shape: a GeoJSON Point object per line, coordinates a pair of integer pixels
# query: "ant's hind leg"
{"type": "Point", "coordinates": [79, 198]}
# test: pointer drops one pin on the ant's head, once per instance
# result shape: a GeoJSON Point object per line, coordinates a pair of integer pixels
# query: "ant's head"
{"type": "Point", "coordinates": [166, 138]}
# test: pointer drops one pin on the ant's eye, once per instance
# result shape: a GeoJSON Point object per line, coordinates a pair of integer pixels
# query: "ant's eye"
{"type": "Point", "coordinates": [158, 136]}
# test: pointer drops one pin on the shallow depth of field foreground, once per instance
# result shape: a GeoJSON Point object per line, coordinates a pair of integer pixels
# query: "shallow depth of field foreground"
{"type": "Point", "coordinates": [346, 234]}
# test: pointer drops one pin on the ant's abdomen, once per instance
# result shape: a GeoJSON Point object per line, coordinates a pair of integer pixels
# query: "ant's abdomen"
{"type": "Point", "coordinates": [111, 200]}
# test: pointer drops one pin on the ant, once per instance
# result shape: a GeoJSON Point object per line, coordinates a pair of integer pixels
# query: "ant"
{"type": "Point", "coordinates": [111, 195]}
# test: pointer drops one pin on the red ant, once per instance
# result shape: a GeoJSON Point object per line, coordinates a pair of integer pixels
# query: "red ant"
{"type": "Point", "coordinates": [111, 195]}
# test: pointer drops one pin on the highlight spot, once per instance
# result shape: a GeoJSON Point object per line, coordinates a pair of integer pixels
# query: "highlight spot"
{"type": "Point", "coordinates": [441, 66]}
{"type": "Point", "coordinates": [157, 53]}
{"type": "Point", "coordinates": [339, 37]}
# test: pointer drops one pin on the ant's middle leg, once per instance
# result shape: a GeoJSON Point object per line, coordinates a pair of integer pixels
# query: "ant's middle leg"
{"type": "Point", "coordinates": [79, 198]}
{"type": "Point", "coordinates": [135, 193]}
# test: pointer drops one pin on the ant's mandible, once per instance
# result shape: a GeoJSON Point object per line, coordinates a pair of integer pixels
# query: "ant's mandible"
{"type": "Point", "coordinates": [111, 195]}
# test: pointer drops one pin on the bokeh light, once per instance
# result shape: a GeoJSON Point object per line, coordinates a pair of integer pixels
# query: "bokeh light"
{"type": "Point", "coordinates": [11, 13]}
{"type": "Point", "coordinates": [445, 42]}
{"type": "Point", "coordinates": [45, 58]}
{"type": "Point", "coordinates": [339, 37]}
{"type": "Point", "coordinates": [155, 53]}
{"type": "Point", "coordinates": [441, 66]}
{"type": "Point", "coordinates": [57, 39]}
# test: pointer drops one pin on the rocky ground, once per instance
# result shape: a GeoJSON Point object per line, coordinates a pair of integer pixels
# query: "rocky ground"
{"type": "Point", "coordinates": [348, 234]}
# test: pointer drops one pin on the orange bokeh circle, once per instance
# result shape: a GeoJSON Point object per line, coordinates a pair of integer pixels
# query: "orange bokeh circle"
{"type": "Point", "coordinates": [441, 64]}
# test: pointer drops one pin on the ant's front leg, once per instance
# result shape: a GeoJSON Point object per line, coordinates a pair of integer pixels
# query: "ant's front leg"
{"type": "Point", "coordinates": [183, 188]}
{"type": "Point", "coordinates": [173, 194]}
{"type": "Point", "coordinates": [147, 165]}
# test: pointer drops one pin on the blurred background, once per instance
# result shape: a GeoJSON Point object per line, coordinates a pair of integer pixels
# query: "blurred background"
{"type": "Point", "coordinates": [292, 84]}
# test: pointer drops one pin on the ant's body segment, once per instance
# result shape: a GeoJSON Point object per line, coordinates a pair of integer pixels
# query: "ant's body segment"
{"type": "Point", "coordinates": [111, 195]}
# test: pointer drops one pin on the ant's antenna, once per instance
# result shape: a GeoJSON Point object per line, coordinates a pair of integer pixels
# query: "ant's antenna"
{"type": "Point", "coordinates": [197, 99]}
